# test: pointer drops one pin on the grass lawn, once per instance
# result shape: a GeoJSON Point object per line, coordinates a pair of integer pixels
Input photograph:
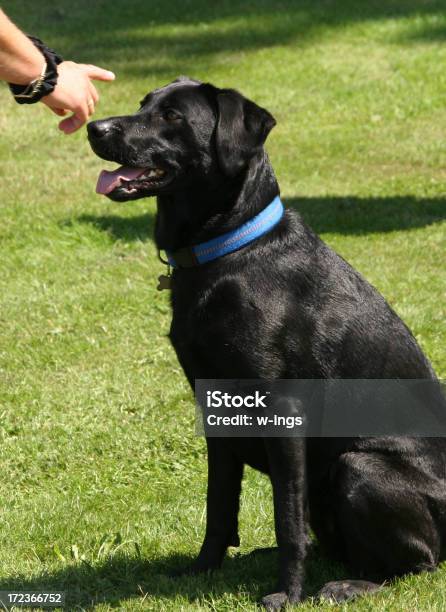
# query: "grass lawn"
{"type": "Point", "coordinates": [102, 478]}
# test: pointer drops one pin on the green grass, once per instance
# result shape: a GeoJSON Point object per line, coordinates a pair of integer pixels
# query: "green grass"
{"type": "Point", "coordinates": [103, 480]}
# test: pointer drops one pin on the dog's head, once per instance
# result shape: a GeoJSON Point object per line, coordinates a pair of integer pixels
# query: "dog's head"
{"type": "Point", "coordinates": [183, 133]}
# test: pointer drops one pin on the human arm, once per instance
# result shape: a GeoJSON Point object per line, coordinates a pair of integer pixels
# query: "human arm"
{"type": "Point", "coordinates": [21, 62]}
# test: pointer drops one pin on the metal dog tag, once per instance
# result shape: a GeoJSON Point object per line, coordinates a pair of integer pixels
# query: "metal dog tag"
{"type": "Point", "coordinates": [164, 282]}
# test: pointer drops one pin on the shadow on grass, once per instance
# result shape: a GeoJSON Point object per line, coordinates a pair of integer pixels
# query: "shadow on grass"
{"type": "Point", "coordinates": [338, 215]}
{"type": "Point", "coordinates": [122, 578]}
{"type": "Point", "coordinates": [358, 216]}
{"type": "Point", "coordinates": [172, 35]}
{"type": "Point", "coordinates": [127, 229]}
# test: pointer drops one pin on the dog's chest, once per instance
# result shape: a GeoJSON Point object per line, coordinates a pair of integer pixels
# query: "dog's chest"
{"type": "Point", "coordinates": [224, 329]}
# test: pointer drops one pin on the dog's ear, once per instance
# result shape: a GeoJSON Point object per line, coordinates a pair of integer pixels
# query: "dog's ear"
{"type": "Point", "coordinates": [242, 129]}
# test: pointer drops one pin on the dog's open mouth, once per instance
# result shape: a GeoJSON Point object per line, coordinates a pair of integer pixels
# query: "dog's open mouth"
{"type": "Point", "coordinates": [130, 180]}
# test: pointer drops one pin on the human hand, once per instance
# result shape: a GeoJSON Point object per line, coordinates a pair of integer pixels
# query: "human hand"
{"type": "Point", "coordinates": [75, 92]}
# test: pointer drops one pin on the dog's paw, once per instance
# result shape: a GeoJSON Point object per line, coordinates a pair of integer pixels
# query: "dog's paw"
{"type": "Point", "coordinates": [343, 590]}
{"type": "Point", "coordinates": [277, 601]}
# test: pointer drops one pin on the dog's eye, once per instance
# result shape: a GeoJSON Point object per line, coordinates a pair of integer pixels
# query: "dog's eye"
{"type": "Point", "coordinates": [171, 115]}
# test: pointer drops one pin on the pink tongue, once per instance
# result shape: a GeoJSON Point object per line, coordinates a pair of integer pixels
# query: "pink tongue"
{"type": "Point", "coordinates": [108, 181]}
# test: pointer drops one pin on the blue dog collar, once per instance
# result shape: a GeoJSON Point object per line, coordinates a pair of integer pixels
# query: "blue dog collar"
{"type": "Point", "coordinates": [231, 241]}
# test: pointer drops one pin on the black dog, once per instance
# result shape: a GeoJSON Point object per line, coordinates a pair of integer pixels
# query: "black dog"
{"type": "Point", "coordinates": [284, 307]}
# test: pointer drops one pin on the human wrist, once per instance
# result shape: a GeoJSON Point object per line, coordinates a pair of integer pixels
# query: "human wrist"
{"type": "Point", "coordinates": [44, 82]}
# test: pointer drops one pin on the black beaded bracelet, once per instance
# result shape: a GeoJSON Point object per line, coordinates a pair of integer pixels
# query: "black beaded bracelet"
{"type": "Point", "coordinates": [45, 83]}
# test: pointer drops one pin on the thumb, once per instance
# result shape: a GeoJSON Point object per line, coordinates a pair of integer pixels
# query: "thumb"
{"type": "Point", "coordinates": [70, 124]}
{"type": "Point", "coordinates": [99, 74]}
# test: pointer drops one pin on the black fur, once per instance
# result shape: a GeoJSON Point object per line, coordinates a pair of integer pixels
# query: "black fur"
{"type": "Point", "coordinates": [287, 306]}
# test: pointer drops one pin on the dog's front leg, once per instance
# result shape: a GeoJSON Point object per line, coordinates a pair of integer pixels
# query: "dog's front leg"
{"type": "Point", "coordinates": [287, 470]}
{"type": "Point", "coordinates": [225, 473]}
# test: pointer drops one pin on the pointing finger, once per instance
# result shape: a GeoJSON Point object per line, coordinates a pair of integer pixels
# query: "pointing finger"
{"type": "Point", "coordinates": [98, 74]}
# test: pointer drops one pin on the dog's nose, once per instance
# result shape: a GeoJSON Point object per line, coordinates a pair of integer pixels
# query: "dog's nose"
{"type": "Point", "coordinates": [99, 129]}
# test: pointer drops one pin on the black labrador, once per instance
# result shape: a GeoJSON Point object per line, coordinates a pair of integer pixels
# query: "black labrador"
{"type": "Point", "coordinates": [284, 307]}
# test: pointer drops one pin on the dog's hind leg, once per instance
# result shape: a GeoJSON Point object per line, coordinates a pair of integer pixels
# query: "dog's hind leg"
{"type": "Point", "coordinates": [384, 522]}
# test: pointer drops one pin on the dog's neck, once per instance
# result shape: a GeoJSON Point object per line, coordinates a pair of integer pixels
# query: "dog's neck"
{"type": "Point", "coordinates": [216, 206]}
